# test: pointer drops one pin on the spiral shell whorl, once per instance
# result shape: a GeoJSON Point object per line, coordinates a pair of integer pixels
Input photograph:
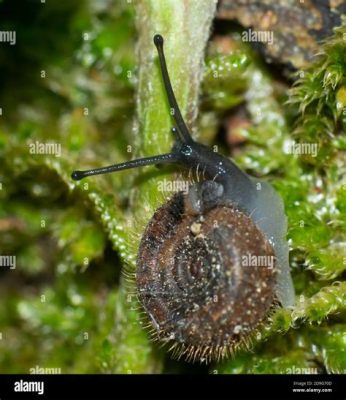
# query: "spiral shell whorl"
{"type": "Point", "coordinates": [193, 283]}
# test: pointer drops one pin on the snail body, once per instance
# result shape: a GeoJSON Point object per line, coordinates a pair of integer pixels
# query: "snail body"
{"type": "Point", "coordinates": [213, 262]}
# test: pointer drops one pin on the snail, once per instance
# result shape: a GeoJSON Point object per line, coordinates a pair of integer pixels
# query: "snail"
{"type": "Point", "coordinates": [212, 263]}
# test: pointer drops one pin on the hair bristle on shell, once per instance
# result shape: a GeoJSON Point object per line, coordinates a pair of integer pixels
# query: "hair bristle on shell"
{"type": "Point", "coordinates": [200, 298]}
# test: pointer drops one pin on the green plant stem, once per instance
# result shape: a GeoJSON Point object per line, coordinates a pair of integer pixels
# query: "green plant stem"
{"type": "Point", "coordinates": [185, 28]}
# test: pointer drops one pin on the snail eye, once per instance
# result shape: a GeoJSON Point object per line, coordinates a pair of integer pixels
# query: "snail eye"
{"type": "Point", "coordinates": [186, 150]}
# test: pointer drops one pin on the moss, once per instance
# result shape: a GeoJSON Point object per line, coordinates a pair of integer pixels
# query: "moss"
{"type": "Point", "coordinates": [65, 302]}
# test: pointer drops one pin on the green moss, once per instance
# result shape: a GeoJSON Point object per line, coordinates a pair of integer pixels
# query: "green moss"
{"type": "Point", "coordinates": [64, 303]}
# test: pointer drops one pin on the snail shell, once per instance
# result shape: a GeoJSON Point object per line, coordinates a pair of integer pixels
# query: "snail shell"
{"type": "Point", "coordinates": [193, 283]}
